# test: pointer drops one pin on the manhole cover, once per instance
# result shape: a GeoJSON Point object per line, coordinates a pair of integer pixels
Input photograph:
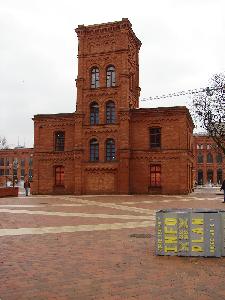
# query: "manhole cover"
{"type": "Point", "coordinates": [141, 235]}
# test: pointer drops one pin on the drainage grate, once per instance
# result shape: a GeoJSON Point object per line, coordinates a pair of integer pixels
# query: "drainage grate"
{"type": "Point", "coordinates": [141, 235]}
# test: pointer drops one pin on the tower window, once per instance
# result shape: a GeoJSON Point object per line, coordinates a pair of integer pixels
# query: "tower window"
{"type": "Point", "coordinates": [110, 112]}
{"type": "Point", "coordinates": [94, 78]}
{"type": "Point", "coordinates": [94, 150]}
{"type": "Point", "coordinates": [94, 113]}
{"type": "Point", "coordinates": [110, 150]}
{"type": "Point", "coordinates": [59, 175]}
{"type": "Point", "coordinates": [155, 137]}
{"type": "Point", "coordinates": [59, 140]}
{"type": "Point", "coordinates": [110, 76]}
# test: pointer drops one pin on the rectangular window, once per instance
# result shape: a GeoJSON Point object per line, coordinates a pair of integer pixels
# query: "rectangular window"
{"type": "Point", "coordinates": [6, 171]}
{"type": "Point", "coordinates": [1, 172]}
{"type": "Point", "coordinates": [59, 175]}
{"type": "Point", "coordinates": [30, 162]}
{"type": "Point", "coordinates": [30, 174]}
{"type": "Point", "coordinates": [59, 140]}
{"type": "Point", "coordinates": [7, 162]}
{"type": "Point", "coordinates": [155, 175]}
{"type": "Point", "coordinates": [22, 172]}
{"type": "Point", "coordinates": [155, 137]}
{"type": "Point", "coordinates": [14, 172]}
{"type": "Point", "coordinates": [22, 163]}
{"type": "Point", "coordinates": [1, 162]}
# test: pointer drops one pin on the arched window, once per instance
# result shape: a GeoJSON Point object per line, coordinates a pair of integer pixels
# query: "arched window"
{"type": "Point", "coordinates": [209, 158]}
{"type": "Point", "coordinates": [110, 112]}
{"type": "Point", "coordinates": [59, 140]}
{"type": "Point", "coordinates": [94, 78]}
{"type": "Point", "coordinates": [219, 176]}
{"type": "Point", "coordinates": [210, 176]}
{"type": "Point", "coordinates": [94, 113]}
{"type": "Point", "coordinates": [219, 158]}
{"type": "Point", "coordinates": [200, 177]}
{"type": "Point", "coordinates": [94, 150]}
{"type": "Point", "coordinates": [110, 76]}
{"type": "Point", "coordinates": [200, 158]}
{"type": "Point", "coordinates": [110, 150]}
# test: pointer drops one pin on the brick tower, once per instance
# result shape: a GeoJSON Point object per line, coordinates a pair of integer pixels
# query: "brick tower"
{"type": "Point", "coordinates": [107, 88]}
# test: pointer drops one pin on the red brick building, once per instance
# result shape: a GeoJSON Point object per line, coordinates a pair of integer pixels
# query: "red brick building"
{"type": "Point", "coordinates": [109, 145]}
{"type": "Point", "coordinates": [209, 161]}
{"type": "Point", "coordinates": [16, 164]}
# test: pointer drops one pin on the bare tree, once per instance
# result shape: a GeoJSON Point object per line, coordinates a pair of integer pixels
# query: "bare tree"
{"type": "Point", "coordinates": [209, 110]}
{"type": "Point", "coordinates": [3, 143]}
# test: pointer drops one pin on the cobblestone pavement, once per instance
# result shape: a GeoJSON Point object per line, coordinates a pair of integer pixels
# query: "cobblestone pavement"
{"type": "Point", "coordinates": [99, 247]}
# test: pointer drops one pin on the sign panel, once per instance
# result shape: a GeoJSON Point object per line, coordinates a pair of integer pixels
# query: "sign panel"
{"type": "Point", "coordinates": [190, 232]}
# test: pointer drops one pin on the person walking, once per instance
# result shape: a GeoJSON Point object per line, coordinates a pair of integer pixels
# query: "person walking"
{"type": "Point", "coordinates": [223, 188]}
{"type": "Point", "coordinates": [26, 186]}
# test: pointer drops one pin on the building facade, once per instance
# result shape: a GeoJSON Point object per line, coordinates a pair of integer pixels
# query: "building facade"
{"type": "Point", "coordinates": [16, 165]}
{"type": "Point", "coordinates": [109, 145]}
{"type": "Point", "coordinates": [209, 161]}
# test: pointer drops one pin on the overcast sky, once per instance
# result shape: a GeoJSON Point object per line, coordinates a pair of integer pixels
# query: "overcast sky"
{"type": "Point", "coordinates": [183, 45]}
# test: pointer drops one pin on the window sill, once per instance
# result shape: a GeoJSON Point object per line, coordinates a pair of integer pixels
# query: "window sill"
{"type": "Point", "coordinates": [103, 87]}
{"type": "Point", "coordinates": [59, 186]}
{"type": "Point", "coordinates": [155, 149]}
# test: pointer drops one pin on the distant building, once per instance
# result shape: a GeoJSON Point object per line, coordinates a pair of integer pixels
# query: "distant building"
{"type": "Point", "coordinates": [109, 145]}
{"type": "Point", "coordinates": [16, 164]}
{"type": "Point", "coordinates": [209, 161]}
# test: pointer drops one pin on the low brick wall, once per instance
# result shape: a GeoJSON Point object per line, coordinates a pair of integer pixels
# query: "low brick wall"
{"type": "Point", "coordinates": [9, 192]}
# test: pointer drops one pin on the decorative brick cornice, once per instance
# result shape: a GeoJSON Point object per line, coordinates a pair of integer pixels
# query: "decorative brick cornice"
{"type": "Point", "coordinates": [54, 156]}
{"type": "Point", "coordinates": [100, 169]}
{"type": "Point", "coordinates": [100, 130]}
{"type": "Point", "coordinates": [101, 92]}
{"type": "Point", "coordinates": [153, 159]}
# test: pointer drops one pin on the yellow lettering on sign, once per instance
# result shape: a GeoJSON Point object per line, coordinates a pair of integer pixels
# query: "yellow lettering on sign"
{"type": "Point", "coordinates": [184, 246]}
{"type": "Point", "coordinates": [160, 247]}
{"type": "Point", "coordinates": [197, 221]}
{"type": "Point", "coordinates": [201, 240]}
{"type": "Point", "coordinates": [196, 248]}
{"type": "Point", "coordinates": [170, 239]}
{"type": "Point", "coordinates": [183, 223]}
{"type": "Point", "coordinates": [183, 234]}
{"type": "Point", "coordinates": [170, 249]}
{"type": "Point", "coordinates": [170, 221]}
{"type": "Point", "coordinates": [169, 230]}
{"type": "Point", "coordinates": [198, 230]}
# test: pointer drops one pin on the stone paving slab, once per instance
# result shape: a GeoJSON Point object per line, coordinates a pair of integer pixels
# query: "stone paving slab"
{"type": "Point", "coordinates": [108, 261]}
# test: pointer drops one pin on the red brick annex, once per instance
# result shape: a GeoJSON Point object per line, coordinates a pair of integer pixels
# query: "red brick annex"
{"type": "Point", "coordinates": [109, 145]}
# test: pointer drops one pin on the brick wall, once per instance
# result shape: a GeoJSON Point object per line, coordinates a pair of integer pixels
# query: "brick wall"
{"type": "Point", "coordinates": [9, 192]}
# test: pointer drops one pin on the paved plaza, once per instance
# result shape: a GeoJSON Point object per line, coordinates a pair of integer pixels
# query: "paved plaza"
{"type": "Point", "coordinates": [99, 247]}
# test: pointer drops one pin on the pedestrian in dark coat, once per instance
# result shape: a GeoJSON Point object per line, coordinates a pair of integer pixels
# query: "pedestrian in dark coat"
{"type": "Point", "coordinates": [26, 186]}
{"type": "Point", "coordinates": [223, 188]}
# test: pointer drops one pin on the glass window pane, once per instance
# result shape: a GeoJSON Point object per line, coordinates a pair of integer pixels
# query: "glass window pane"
{"type": "Point", "coordinates": [59, 141]}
